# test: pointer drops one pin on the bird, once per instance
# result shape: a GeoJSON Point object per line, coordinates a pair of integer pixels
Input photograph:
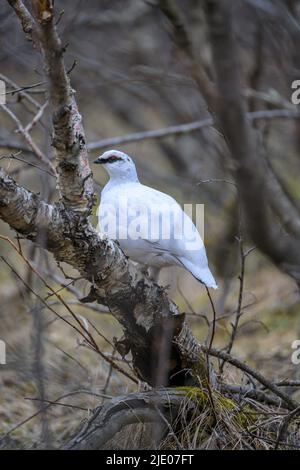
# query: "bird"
{"type": "Point", "coordinates": [150, 226]}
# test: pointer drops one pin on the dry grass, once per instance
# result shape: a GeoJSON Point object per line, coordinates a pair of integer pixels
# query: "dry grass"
{"type": "Point", "coordinates": [234, 424]}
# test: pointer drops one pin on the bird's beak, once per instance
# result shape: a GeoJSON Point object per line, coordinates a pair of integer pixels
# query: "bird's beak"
{"type": "Point", "coordinates": [100, 160]}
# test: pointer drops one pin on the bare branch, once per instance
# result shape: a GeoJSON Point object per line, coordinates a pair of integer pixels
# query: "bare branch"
{"type": "Point", "coordinates": [180, 36]}
{"type": "Point", "coordinates": [36, 118]}
{"type": "Point", "coordinates": [20, 90]}
{"type": "Point", "coordinates": [282, 204]}
{"type": "Point", "coordinates": [182, 129]}
{"type": "Point", "coordinates": [17, 158]}
{"type": "Point", "coordinates": [106, 421]}
{"type": "Point", "coordinates": [75, 177]}
{"type": "Point", "coordinates": [32, 145]}
{"type": "Point", "coordinates": [239, 310]}
{"type": "Point", "coordinates": [155, 134]}
{"type": "Point", "coordinates": [291, 404]}
{"type": "Point", "coordinates": [25, 18]}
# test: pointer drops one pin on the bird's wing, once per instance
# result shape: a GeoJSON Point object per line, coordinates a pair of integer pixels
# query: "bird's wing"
{"type": "Point", "coordinates": [172, 229]}
{"type": "Point", "coordinates": [162, 223]}
{"type": "Point", "coordinates": [125, 212]}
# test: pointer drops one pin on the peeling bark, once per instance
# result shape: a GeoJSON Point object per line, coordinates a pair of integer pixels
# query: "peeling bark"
{"type": "Point", "coordinates": [75, 181]}
{"type": "Point", "coordinates": [155, 331]}
{"type": "Point", "coordinates": [75, 176]}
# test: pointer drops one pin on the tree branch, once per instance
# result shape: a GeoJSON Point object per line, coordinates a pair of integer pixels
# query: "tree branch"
{"type": "Point", "coordinates": [31, 144]}
{"type": "Point", "coordinates": [180, 35]}
{"type": "Point", "coordinates": [25, 18]}
{"type": "Point", "coordinates": [182, 129]}
{"type": "Point", "coordinates": [133, 408]}
{"type": "Point", "coordinates": [290, 403]}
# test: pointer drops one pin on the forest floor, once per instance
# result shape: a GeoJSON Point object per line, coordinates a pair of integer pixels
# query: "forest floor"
{"type": "Point", "coordinates": [61, 364]}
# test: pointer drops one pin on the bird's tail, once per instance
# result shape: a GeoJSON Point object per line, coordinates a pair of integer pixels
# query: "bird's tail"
{"type": "Point", "coordinates": [201, 274]}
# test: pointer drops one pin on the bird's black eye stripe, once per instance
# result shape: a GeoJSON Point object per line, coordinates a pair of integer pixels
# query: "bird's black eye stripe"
{"type": "Point", "coordinates": [111, 159]}
{"type": "Point", "coordinates": [114, 159]}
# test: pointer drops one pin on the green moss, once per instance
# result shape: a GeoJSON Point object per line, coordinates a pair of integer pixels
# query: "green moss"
{"type": "Point", "coordinates": [221, 403]}
{"type": "Point", "coordinates": [225, 403]}
{"type": "Point", "coordinates": [195, 393]}
{"type": "Point", "coordinates": [199, 369]}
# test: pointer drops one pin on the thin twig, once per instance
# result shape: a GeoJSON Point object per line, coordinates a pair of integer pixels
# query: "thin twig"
{"type": "Point", "coordinates": [212, 335]}
{"type": "Point", "coordinates": [40, 298]}
{"type": "Point", "coordinates": [66, 395]}
{"type": "Point", "coordinates": [85, 333]}
{"type": "Point", "coordinates": [288, 383]}
{"type": "Point", "coordinates": [15, 157]}
{"type": "Point", "coordinates": [292, 404]}
{"type": "Point", "coordinates": [36, 150]}
{"type": "Point", "coordinates": [239, 310]}
{"type": "Point", "coordinates": [284, 426]}
{"type": "Point", "coordinates": [20, 90]}
{"type": "Point", "coordinates": [27, 87]}
{"type": "Point", "coordinates": [57, 403]}
{"type": "Point", "coordinates": [37, 117]}
{"type": "Point", "coordinates": [28, 263]}
{"type": "Point", "coordinates": [182, 129]}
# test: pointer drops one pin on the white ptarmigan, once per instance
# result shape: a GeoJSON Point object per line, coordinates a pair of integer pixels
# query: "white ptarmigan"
{"type": "Point", "coordinates": [150, 226]}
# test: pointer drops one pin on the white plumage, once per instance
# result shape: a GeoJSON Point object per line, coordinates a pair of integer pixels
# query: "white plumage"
{"type": "Point", "coordinates": [150, 226]}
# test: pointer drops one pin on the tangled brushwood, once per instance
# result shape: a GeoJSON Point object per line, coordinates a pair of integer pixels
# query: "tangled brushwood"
{"type": "Point", "coordinates": [194, 417]}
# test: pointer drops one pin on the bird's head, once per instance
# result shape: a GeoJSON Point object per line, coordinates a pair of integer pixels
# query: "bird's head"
{"type": "Point", "coordinates": [117, 164]}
